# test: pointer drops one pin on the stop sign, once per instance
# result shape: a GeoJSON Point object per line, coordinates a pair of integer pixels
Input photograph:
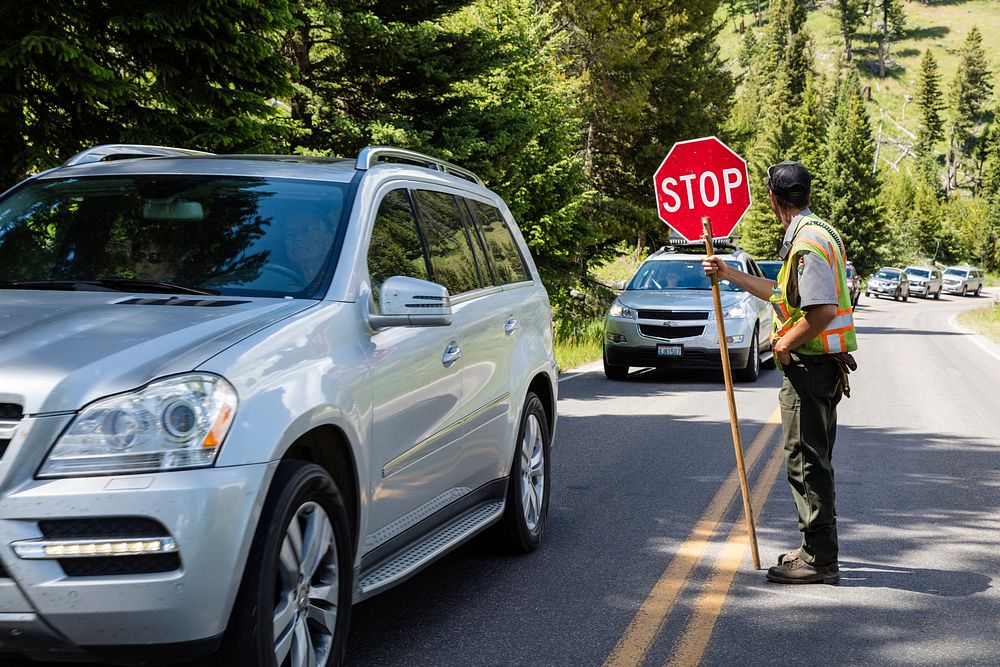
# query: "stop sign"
{"type": "Point", "coordinates": [702, 178]}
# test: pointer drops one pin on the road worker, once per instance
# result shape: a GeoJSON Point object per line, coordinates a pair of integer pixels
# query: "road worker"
{"type": "Point", "coordinates": [812, 340]}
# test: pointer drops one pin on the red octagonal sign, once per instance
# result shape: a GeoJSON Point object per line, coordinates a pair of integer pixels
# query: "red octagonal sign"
{"type": "Point", "coordinates": [702, 178]}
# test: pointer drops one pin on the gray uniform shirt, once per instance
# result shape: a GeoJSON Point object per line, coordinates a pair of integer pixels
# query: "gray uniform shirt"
{"type": "Point", "coordinates": [817, 280]}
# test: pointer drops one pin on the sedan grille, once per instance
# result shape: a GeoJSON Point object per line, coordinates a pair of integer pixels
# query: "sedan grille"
{"type": "Point", "coordinates": [673, 315]}
{"type": "Point", "coordinates": [670, 332]}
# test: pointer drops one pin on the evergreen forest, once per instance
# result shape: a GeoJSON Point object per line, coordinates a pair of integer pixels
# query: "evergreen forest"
{"type": "Point", "coordinates": [563, 107]}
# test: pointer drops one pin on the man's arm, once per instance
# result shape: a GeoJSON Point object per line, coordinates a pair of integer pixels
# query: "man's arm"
{"type": "Point", "coordinates": [814, 322]}
{"type": "Point", "coordinates": [759, 287]}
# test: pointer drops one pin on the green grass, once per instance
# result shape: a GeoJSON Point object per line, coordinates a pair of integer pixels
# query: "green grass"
{"type": "Point", "coordinates": [620, 268]}
{"type": "Point", "coordinates": [984, 320]}
{"type": "Point", "coordinates": [580, 345]}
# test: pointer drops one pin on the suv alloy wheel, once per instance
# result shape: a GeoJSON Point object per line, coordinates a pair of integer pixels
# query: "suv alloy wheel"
{"type": "Point", "coordinates": [295, 599]}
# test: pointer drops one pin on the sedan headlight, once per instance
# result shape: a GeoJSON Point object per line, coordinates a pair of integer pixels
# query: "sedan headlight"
{"type": "Point", "coordinates": [177, 422]}
{"type": "Point", "coordinates": [620, 310]}
{"type": "Point", "coordinates": [735, 312]}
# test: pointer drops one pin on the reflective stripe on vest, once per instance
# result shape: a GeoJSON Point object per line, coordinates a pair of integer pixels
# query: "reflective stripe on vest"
{"type": "Point", "coordinates": [816, 237]}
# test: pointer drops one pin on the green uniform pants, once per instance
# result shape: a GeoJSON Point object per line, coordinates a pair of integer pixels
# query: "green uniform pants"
{"type": "Point", "coordinates": [808, 398]}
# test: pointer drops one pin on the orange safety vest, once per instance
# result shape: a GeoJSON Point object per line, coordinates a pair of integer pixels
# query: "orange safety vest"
{"type": "Point", "coordinates": [815, 236]}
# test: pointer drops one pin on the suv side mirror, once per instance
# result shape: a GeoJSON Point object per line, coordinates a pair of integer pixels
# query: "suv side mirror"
{"type": "Point", "coordinates": [411, 302]}
{"type": "Point", "coordinates": [618, 285]}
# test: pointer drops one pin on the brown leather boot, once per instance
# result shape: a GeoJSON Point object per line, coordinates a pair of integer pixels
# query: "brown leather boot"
{"type": "Point", "coordinates": [797, 571]}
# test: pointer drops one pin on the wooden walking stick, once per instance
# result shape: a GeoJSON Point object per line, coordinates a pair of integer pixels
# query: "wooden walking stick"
{"type": "Point", "coordinates": [733, 419]}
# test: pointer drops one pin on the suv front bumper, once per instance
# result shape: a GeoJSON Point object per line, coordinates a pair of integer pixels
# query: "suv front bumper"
{"type": "Point", "coordinates": [210, 513]}
{"type": "Point", "coordinates": [697, 352]}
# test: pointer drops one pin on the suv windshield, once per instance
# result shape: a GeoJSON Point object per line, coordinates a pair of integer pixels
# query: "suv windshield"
{"type": "Point", "coordinates": [168, 233]}
{"type": "Point", "coordinates": [677, 274]}
{"type": "Point", "coordinates": [888, 275]}
{"type": "Point", "coordinates": [920, 273]}
{"type": "Point", "coordinates": [954, 272]}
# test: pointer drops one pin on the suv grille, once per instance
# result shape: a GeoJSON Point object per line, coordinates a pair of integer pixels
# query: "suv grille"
{"type": "Point", "coordinates": [669, 332]}
{"type": "Point", "coordinates": [109, 528]}
{"type": "Point", "coordinates": [10, 416]}
{"type": "Point", "coordinates": [673, 315]}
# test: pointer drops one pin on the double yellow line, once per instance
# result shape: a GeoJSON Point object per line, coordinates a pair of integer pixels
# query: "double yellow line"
{"type": "Point", "coordinates": [631, 649]}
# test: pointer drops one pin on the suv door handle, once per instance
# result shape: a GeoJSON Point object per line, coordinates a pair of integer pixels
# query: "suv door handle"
{"type": "Point", "coordinates": [510, 326]}
{"type": "Point", "coordinates": [452, 353]}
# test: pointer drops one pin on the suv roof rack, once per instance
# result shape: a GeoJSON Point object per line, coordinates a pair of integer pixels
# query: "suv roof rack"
{"type": "Point", "coordinates": [679, 245]}
{"type": "Point", "coordinates": [372, 154]}
{"type": "Point", "coordinates": [121, 151]}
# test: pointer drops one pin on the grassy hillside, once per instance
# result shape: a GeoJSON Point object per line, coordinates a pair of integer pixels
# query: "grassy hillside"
{"type": "Point", "coordinates": [939, 25]}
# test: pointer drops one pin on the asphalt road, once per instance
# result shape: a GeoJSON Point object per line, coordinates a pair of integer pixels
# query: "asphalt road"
{"type": "Point", "coordinates": [646, 561]}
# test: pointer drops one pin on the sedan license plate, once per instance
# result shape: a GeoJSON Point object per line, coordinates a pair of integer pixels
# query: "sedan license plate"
{"type": "Point", "coordinates": [668, 350]}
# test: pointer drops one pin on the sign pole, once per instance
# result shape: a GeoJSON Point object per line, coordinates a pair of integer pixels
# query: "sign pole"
{"type": "Point", "coordinates": [733, 419]}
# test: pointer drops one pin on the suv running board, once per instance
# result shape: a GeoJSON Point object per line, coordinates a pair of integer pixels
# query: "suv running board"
{"type": "Point", "coordinates": [407, 563]}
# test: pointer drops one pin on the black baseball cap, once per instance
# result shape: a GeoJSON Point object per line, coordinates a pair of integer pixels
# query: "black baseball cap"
{"type": "Point", "coordinates": [789, 180]}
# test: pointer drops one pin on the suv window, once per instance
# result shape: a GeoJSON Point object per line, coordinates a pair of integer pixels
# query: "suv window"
{"type": "Point", "coordinates": [452, 261]}
{"type": "Point", "coordinates": [507, 261]}
{"type": "Point", "coordinates": [219, 234]}
{"type": "Point", "coordinates": [395, 248]}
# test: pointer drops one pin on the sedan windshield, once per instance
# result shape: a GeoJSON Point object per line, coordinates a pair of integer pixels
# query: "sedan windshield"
{"type": "Point", "coordinates": [676, 274]}
{"type": "Point", "coordinates": [172, 234]}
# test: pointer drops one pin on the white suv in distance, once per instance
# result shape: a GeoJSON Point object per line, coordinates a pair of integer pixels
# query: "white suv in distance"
{"type": "Point", "coordinates": [665, 317]}
{"type": "Point", "coordinates": [240, 393]}
{"type": "Point", "coordinates": [962, 280]}
{"type": "Point", "coordinates": [925, 281]}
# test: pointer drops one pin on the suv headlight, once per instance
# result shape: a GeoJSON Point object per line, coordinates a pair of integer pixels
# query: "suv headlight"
{"type": "Point", "coordinates": [735, 312]}
{"type": "Point", "coordinates": [619, 310]}
{"type": "Point", "coordinates": [177, 422]}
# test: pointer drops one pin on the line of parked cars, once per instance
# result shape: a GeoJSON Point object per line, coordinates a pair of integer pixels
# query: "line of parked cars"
{"type": "Point", "coordinates": [925, 281]}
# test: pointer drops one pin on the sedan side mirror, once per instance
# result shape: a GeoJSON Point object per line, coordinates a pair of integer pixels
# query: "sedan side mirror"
{"type": "Point", "coordinates": [411, 302]}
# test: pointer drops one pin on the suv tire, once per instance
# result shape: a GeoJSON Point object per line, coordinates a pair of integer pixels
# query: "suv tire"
{"type": "Point", "coordinates": [527, 507]}
{"type": "Point", "coordinates": [978, 290]}
{"type": "Point", "coordinates": [310, 585]}
{"type": "Point", "coordinates": [614, 372]}
{"type": "Point", "coordinates": [751, 371]}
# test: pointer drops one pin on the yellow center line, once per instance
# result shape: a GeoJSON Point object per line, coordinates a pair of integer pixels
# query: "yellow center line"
{"type": "Point", "coordinates": [645, 625]}
{"type": "Point", "coordinates": [691, 646]}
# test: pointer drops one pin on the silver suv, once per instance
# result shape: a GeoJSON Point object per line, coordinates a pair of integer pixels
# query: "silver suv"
{"type": "Point", "coordinates": [665, 317]}
{"type": "Point", "coordinates": [963, 280]}
{"type": "Point", "coordinates": [240, 393]}
{"type": "Point", "coordinates": [925, 281]}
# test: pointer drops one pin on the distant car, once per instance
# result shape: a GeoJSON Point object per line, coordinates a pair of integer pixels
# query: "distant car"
{"type": "Point", "coordinates": [962, 280]}
{"type": "Point", "coordinates": [770, 268]}
{"type": "Point", "coordinates": [853, 284]}
{"type": "Point", "coordinates": [889, 281]}
{"type": "Point", "coordinates": [664, 317]}
{"type": "Point", "coordinates": [925, 281]}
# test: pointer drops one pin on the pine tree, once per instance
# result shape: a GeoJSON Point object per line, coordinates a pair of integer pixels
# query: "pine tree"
{"type": "Point", "coordinates": [929, 100]}
{"type": "Point", "coordinates": [970, 94]}
{"type": "Point", "coordinates": [198, 74]}
{"type": "Point", "coordinates": [852, 186]}
{"type": "Point", "coordinates": [849, 15]}
{"type": "Point", "coordinates": [889, 20]}
{"type": "Point", "coordinates": [785, 67]}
